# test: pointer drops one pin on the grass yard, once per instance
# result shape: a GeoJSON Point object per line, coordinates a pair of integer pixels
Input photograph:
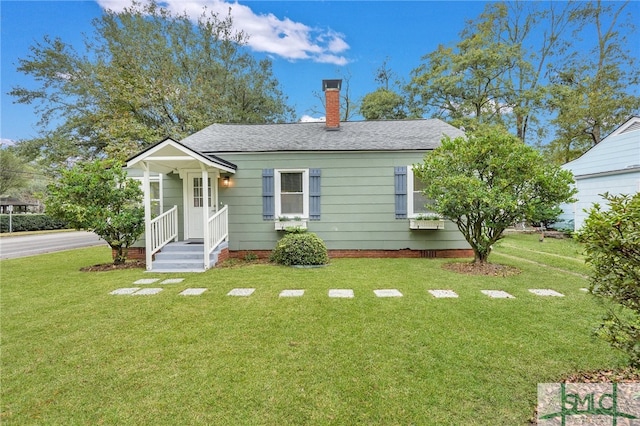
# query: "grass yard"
{"type": "Point", "coordinates": [74, 354]}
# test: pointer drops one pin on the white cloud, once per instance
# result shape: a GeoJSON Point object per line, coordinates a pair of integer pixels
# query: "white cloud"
{"type": "Point", "coordinates": [267, 33]}
{"type": "Point", "coordinates": [309, 119]}
{"type": "Point", "coordinates": [7, 142]}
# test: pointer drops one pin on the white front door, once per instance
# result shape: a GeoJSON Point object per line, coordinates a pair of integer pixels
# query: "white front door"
{"type": "Point", "coordinates": [195, 203]}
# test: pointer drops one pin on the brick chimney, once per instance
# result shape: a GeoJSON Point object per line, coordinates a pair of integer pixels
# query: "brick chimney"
{"type": "Point", "coordinates": [331, 90]}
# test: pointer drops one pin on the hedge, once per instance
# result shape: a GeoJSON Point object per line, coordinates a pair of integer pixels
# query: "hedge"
{"type": "Point", "coordinates": [30, 222]}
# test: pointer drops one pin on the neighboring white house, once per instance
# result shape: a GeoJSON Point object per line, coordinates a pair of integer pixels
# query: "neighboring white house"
{"type": "Point", "coordinates": [612, 166]}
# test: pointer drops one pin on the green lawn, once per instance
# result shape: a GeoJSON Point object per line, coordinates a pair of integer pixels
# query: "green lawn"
{"type": "Point", "coordinates": [73, 354]}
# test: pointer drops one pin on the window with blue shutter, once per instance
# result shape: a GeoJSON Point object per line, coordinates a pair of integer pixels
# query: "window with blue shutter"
{"type": "Point", "coordinates": [418, 203]}
{"type": "Point", "coordinates": [400, 179]}
{"type": "Point", "coordinates": [268, 195]}
{"type": "Point", "coordinates": [314, 194]}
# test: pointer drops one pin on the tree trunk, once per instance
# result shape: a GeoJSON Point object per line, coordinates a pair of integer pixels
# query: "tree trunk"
{"type": "Point", "coordinates": [479, 257]}
{"type": "Point", "coordinates": [120, 256]}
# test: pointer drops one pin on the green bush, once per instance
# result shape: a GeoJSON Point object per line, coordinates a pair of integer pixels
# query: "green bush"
{"type": "Point", "coordinates": [300, 249]}
{"type": "Point", "coordinates": [612, 245]}
{"type": "Point", "coordinates": [30, 222]}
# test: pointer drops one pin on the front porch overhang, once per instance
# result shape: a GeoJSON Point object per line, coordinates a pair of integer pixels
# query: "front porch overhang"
{"type": "Point", "coordinates": [170, 156]}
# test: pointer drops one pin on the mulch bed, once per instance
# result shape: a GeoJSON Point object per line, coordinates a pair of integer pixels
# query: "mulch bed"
{"type": "Point", "coordinates": [134, 264]}
{"type": "Point", "coordinates": [626, 375]}
{"type": "Point", "coordinates": [486, 269]}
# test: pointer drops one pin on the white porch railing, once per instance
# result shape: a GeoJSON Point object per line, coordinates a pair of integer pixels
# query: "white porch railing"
{"type": "Point", "coordinates": [163, 229]}
{"type": "Point", "coordinates": [217, 232]}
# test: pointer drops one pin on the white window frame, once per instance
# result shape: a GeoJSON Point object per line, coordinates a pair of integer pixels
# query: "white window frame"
{"type": "Point", "coordinates": [153, 179]}
{"type": "Point", "coordinates": [410, 211]}
{"type": "Point", "coordinates": [305, 193]}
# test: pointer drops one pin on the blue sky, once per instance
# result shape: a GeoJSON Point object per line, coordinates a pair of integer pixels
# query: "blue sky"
{"type": "Point", "coordinates": [307, 40]}
{"type": "Point", "coordinates": [324, 38]}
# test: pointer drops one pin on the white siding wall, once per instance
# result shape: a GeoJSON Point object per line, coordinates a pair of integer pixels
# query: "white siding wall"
{"type": "Point", "coordinates": [591, 189]}
{"type": "Point", "coordinates": [613, 153]}
{"type": "Point", "coordinates": [618, 152]}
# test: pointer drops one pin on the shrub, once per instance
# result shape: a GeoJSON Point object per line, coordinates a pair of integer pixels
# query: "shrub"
{"type": "Point", "coordinates": [30, 222]}
{"type": "Point", "coordinates": [487, 181]}
{"type": "Point", "coordinates": [300, 249]}
{"type": "Point", "coordinates": [100, 197]}
{"type": "Point", "coordinates": [612, 245]}
{"type": "Point", "coordinates": [250, 257]}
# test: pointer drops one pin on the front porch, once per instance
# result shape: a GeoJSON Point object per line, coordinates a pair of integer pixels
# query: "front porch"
{"type": "Point", "coordinates": [202, 221]}
{"type": "Point", "coordinates": [187, 256]}
{"type": "Point", "coordinates": [190, 255]}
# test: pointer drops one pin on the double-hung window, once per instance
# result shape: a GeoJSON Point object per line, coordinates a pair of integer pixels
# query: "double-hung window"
{"type": "Point", "coordinates": [416, 201]}
{"type": "Point", "coordinates": [155, 188]}
{"type": "Point", "coordinates": [292, 193]}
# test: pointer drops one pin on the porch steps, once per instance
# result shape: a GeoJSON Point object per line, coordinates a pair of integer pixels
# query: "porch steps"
{"type": "Point", "coordinates": [184, 256]}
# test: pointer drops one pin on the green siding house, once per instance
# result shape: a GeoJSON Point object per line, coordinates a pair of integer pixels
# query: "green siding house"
{"type": "Point", "coordinates": [351, 183]}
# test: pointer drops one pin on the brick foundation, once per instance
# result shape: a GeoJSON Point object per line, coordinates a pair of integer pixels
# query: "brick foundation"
{"type": "Point", "coordinates": [135, 253]}
{"type": "Point", "coordinates": [223, 255]}
{"type": "Point", "coordinates": [398, 254]}
{"type": "Point", "coordinates": [138, 253]}
{"type": "Point", "coordinates": [242, 254]}
{"type": "Point", "coordinates": [372, 254]}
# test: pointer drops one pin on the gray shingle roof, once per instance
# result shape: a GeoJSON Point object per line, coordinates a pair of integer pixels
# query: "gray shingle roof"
{"type": "Point", "coordinates": [352, 136]}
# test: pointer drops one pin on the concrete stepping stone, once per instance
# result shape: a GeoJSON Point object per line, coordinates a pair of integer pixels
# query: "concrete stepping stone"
{"type": "Point", "coordinates": [497, 294]}
{"type": "Point", "coordinates": [147, 281]}
{"type": "Point", "coordinates": [241, 292]}
{"type": "Point", "coordinates": [443, 293]}
{"type": "Point", "coordinates": [292, 293]}
{"type": "Point", "coordinates": [172, 281]}
{"type": "Point", "coordinates": [341, 293]}
{"type": "Point", "coordinates": [128, 290]}
{"type": "Point", "coordinates": [147, 292]}
{"type": "Point", "coordinates": [192, 292]}
{"type": "Point", "coordinates": [392, 292]}
{"type": "Point", "coordinates": [545, 292]}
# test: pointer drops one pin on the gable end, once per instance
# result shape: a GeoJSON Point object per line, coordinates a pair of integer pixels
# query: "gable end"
{"type": "Point", "coordinates": [632, 128]}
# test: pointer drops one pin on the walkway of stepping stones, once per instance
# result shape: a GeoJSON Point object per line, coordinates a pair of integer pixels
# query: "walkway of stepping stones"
{"type": "Point", "coordinates": [333, 293]}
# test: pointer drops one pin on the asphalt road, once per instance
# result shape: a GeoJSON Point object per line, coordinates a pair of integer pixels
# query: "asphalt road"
{"type": "Point", "coordinates": [31, 245]}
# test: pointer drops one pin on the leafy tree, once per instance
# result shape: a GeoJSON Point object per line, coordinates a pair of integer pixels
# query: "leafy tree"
{"type": "Point", "coordinates": [513, 65]}
{"type": "Point", "coordinates": [145, 74]}
{"type": "Point", "coordinates": [592, 93]}
{"type": "Point", "coordinates": [12, 175]}
{"type": "Point", "coordinates": [545, 216]}
{"type": "Point", "coordinates": [383, 104]}
{"type": "Point", "coordinates": [465, 83]}
{"type": "Point", "coordinates": [98, 196]}
{"type": "Point", "coordinates": [612, 245]}
{"type": "Point", "coordinates": [487, 182]}
{"type": "Point", "coordinates": [535, 35]}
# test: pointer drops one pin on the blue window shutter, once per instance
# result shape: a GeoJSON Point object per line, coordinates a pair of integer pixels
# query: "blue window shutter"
{"type": "Point", "coordinates": [268, 195]}
{"type": "Point", "coordinates": [400, 176]}
{"type": "Point", "coordinates": [314, 194]}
